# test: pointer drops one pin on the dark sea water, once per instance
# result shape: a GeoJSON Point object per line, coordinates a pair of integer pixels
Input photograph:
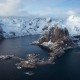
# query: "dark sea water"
{"type": "Point", "coordinates": [67, 67]}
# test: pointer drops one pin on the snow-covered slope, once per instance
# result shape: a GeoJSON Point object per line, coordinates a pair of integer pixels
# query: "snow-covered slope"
{"type": "Point", "coordinates": [73, 25]}
{"type": "Point", "coordinates": [16, 26]}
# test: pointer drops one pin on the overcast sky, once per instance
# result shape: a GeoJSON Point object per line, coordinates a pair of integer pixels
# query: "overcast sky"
{"type": "Point", "coordinates": [39, 7]}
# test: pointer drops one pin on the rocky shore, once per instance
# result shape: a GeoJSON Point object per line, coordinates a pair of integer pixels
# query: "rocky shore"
{"type": "Point", "coordinates": [32, 61]}
{"type": "Point", "coordinates": [6, 57]}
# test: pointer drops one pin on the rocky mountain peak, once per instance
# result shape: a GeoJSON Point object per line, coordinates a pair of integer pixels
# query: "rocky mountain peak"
{"type": "Point", "coordinates": [54, 34]}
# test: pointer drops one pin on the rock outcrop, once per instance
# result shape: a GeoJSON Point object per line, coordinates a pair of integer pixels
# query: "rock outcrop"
{"type": "Point", "coordinates": [32, 61]}
{"type": "Point", "coordinates": [6, 57]}
{"type": "Point", "coordinates": [57, 40]}
{"type": "Point", "coordinates": [55, 34]}
{"type": "Point", "coordinates": [1, 34]}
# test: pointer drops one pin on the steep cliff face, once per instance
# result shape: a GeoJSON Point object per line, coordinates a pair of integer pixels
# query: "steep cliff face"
{"type": "Point", "coordinates": [56, 34]}
{"type": "Point", "coordinates": [1, 34]}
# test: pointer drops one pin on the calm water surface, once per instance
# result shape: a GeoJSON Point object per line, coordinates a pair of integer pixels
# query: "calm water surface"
{"type": "Point", "coordinates": [67, 67]}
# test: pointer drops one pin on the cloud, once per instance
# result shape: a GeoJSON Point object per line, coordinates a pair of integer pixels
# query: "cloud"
{"type": "Point", "coordinates": [48, 11]}
{"type": "Point", "coordinates": [36, 7]}
{"type": "Point", "coordinates": [73, 12]}
{"type": "Point", "coordinates": [9, 7]}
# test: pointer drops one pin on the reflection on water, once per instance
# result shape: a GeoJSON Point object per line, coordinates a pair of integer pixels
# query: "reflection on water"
{"type": "Point", "coordinates": [67, 67]}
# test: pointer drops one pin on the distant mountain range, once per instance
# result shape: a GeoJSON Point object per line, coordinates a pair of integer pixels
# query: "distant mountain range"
{"type": "Point", "coordinates": [22, 26]}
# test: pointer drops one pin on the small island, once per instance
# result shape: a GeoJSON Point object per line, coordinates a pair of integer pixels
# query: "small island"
{"type": "Point", "coordinates": [57, 40]}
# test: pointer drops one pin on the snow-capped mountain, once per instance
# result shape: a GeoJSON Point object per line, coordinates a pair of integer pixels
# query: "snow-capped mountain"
{"type": "Point", "coordinates": [73, 25]}
{"type": "Point", "coordinates": [16, 26]}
